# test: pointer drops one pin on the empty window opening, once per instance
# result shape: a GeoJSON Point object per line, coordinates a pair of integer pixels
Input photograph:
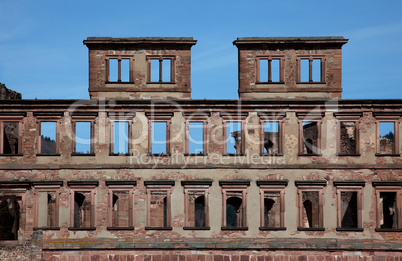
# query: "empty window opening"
{"type": "Point", "coordinates": [310, 138]}
{"type": "Point", "coordinates": [310, 70]}
{"type": "Point", "coordinates": [11, 137]}
{"type": "Point", "coordinates": [159, 137]}
{"type": "Point", "coordinates": [125, 70]}
{"type": "Point", "coordinates": [121, 209]}
{"type": "Point", "coordinates": [349, 210]}
{"type": "Point", "coordinates": [311, 209]}
{"type": "Point", "coordinates": [196, 209]}
{"type": "Point", "coordinates": [269, 70]}
{"type": "Point", "coordinates": [234, 209]}
{"type": "Point", "coordinates": [158, 209]}
{"type": "Point", "coordinates": [234, 137]}
{"type": "Point", "coordinates": [196, 137]}
{"type": "Point", "coordinates": [271, 137]}
{"type": "Point", "coordinates": [9, 218]}
{"type": "Point", "coordinates": [121, 140]}
{"type": "Point", "coordinates": [387, 137]}
{"type": "Point", "coordinates": [161, 70]}
{"type": "Point", "coordinates": [82, 209]}
{"type": "Point", "coordinates": [48, 137]}
{"type": "Point", "coordinates": [47, 212]}
{"type": "Point", "coordinates": [348, 138]}
{"type": "Point", "coordinates": [316, 70]}
{"type": "Point", "coordinates": [388, 210]}
{"type": "Point", "coordinates": [304, 70]}
{"type": "Point", "coordinates": [113, 70]}
{"type": "Point", "coordinates": [83, 137]}
{"type": "Point", "coordinates": [272, 209]}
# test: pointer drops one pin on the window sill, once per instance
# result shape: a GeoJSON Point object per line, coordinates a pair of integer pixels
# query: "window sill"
{"type": "Point", "coordinates": [310, 82]}
{"type": "Point", "coordinates": [235, 228]}
{"type": "Point", "coordinates": [387, 155]}
{"type": "Point", "coordinates": [273, 155]}
{"type": "Point", "coordinates": [81, 228]}
{"type": "Point", "coordinates": [350, 229]}
{"type": "Point", "coordinates": [46, 228]}
{"type": "Point", "coordinates": [9, 242]}
{"type": "Point", "coordinates": [119, 82]}
{"type": "Point", "coordinates": [120, 228]}
{"type": "Point", "coordinates": [48, 155]}
{"type": "Point", "coordinates": [311, 228]}
{"type": "Point", "coordinates": [121, 154]}
{"type": "Point", "coordinates": [83, 154]}
{"type": "Point", "coordinates": [234, 154]}
{"type": "Point", "coordinates": [159, 154]}
{"type": "Point", "coordinates": [160, 82]}
{"type": "Point", "coordinates": [273, 83]}
{"type": "Point", "coordinates": [309, 155]}
{"type": "Point", "coordinates": [11, 155]}
{"type": "Point", "coordinates": [388, 230]}
{"type": "Point", "coordinates": [158, 228]}
{"type": "Point", "coordinates": [348, 155]}
{"type": "Point", "coordinates": [196, 228]}
{"type": "Point", "coordinates": [272, 228]}
{"type": "Point", "coordinates": [196, 154]}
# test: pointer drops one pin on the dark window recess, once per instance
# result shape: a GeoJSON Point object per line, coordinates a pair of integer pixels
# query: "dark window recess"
{"type": "Point", "coordinates": [348, 138]}
{"type": "Point", "coordinates": [234, 211]}
{"type": "Point", "coordinates": [310, 213]}
{"type": "Point", "coordinates": [196, 205]}
{"type": "Point", "coordinates": [272, 209]}
{"type": "Point", "coordinates": [310, 138]}
{"type": "Point", "coordinates": [11, 138]}
{"type": "Point", "coordinates": [82, 209]}
{"type": "Point", "coordinates": [388, 218]}
{"type": "Point", "coordinates": [121, 209]}
{"type": "Point", "coordinates": [158, 209]}
{"type": "Point", "coordinates": [349, 210]}
{"type": "Point", "coordinates": [48, 137]}
{"type": "Point", "coordinates": [9, 218]}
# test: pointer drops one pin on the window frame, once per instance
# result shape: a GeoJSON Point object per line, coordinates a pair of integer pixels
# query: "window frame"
{"type": "Point", "coordinates": [349, 186]}
{"type": "Point", "coordinates": [202, 117]}
{"type": "Point", "coordinates": [342, 117]}
{"type": "Point", "coordinates": [234, 117]}
{"type": "Point", "coordinates": [388, 186]}
{"type": "Point", "coordinates": [18, 119]}
{"type": "Point", "coordinates": [117, 185]}
{"type": "Point", "coordinates": [310, 186]}
{"type": "Point", "coordinates": [266, 117]}
{"type": "Point", "coordinates": [172, 59]}
{"type": "Point", "coordinates": [310, 58]}
{"type": "Point", "coordinates": [385, 117]}
{"type": "Point", "coordinates": [91, 120]}
{"type": "Point", "coordinates": [272, 186]}
{"type": "Point", "coordinates": [119, 58]}
{"type": "Point", "coordinates": [46, 117]}
{"type": "Point", "coordinates": [281, 59]}
{"type": "Point", "coordinates": [196, 185]}
{"type": "Point", "coordinates": [159, 117]}
{"type": "Point", "coordinates": [82, 186]}
{"type": "Point", "coordinates": [310, 117]}
{"type": "Point", "coordinates": [164, 186]}
{"type": "Point", "coordinates": [234, 186]}
{"type": "Point", "coordinates": [46, 186]}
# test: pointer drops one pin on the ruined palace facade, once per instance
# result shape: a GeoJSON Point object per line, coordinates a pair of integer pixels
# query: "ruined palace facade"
{"type": "Point", "coordinates": [143, 172]}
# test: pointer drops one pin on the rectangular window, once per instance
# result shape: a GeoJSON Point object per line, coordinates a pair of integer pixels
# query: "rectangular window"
{"type": "Point", "coordinates": [348, 138]}
{"type": "Point", "coordinates": [234, 138]}
{"type": "Point", "coordinates": [160, 69]}
{"type": "Point", "coordinates": [159, 137]}
{"type": "Point", "coordinates": [386, 137]}
{"type": "Point", "coordinates": [196, 193]}
{"type": "Point", "coordinates": [120, 205]}
{"type": "Point", "coordinates": [159, 208]}
{"type": "Point", "coordinates": [389, 206]}
{"type": "Point", "coordinates": [311, 70]}
{"type": "Point", "coordinates": [271, 143]}
{"type": "Point", "coordinates": [83, 137]}
{"type": "Point", "coordinates": [269, 70]}
{"type": "Point", "coordinates": [47, 204]}
{"type": "Point", "coordinates": [234, 204]}
{"type": "Point", "coordinates": [118, 70]}
{"type": "Point", "coordinates": [272, 204]}
{"type": "Point", "coordinates": [196, 138]}
{"type": "Point", "coordinates": [82, 206]}
{"type": "Point", "coordinates": [349, 204]}
{"type": "Point", "coordinates": [48, 137]}
{"type": "Point", "coordinates": [11, 137]}
{"type": "Point", "coordinates": [310, 204]}
{"type": "Point", "coordinates": [310, 137]}
{"type": "Point", "coordinates": [121, 134]}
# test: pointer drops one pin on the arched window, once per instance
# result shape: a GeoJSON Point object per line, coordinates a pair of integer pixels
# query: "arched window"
{"type": "Point", "coordinates": [233, 212]}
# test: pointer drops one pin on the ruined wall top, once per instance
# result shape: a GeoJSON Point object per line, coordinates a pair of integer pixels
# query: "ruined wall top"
{"type": "Point", "coordinates": [290, 67]}
{"type": "Point", "coordinates": [7, 94]}
{"type": "Point", "coordinates": [140, 67]}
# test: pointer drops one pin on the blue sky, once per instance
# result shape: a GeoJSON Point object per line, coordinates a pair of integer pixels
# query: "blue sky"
{"type": "Point", "coordinates": [42, 55]}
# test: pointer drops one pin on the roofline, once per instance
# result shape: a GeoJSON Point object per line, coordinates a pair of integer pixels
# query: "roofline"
{"type": "Point", "coordinates": [140, 40]}
{"type": "Point", "coordinates": [291, 40]}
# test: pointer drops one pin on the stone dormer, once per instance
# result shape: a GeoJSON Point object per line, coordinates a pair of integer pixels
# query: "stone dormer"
{"type": "Point", "coordinates": [140, 67]}
{"type": "Point", "coordinates": [290, 67]}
